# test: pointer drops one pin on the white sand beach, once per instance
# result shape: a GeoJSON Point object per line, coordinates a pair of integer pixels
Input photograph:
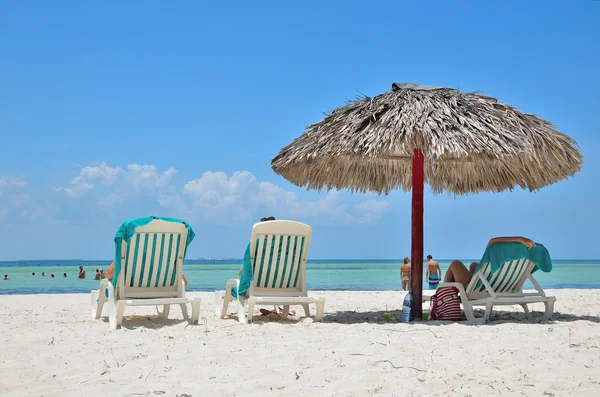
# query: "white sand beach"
{"type": "Point", "coordinates": [51, 347]}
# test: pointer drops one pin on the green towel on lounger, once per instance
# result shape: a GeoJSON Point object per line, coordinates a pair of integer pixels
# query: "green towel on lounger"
{"type": "Point", "coordinates": [499, 253]}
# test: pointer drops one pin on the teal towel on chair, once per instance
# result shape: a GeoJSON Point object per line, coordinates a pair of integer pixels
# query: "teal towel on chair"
{"type": "Point", "coordinates": [499, 253]}
{"type": "Point", "coordinates": [127, 230]}
{"type": "Point", "coordinates": [246, 277]}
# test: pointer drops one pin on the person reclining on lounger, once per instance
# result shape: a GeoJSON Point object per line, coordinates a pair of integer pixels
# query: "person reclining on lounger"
{"type": "Point", "coordinates": [458, 272]}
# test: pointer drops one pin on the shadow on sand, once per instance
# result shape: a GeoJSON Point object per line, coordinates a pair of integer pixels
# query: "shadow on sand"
{"type": "Point", "coordinates": [154, 321]}
{"type": "Point", "coordinates": [497, 317]}
{"type": "Point", "coordinates": [355, 317]}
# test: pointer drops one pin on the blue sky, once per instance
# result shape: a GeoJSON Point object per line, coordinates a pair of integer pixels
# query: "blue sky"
{"type": "Point", "coordinates": [117, 110]}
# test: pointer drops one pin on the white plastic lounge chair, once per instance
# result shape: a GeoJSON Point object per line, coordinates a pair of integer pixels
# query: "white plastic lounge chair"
{"type": "Point", "coordinates": [151, 270]}
{"type": "Point", "coordinates": [278, 279]}
{"type": "Point", "coordinates": [503, 287]}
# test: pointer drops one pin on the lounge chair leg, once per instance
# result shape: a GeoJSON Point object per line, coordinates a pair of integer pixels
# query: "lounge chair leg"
{"type": "Point", "coordinates": [320, 310]}
{"type": "Point", "coordinates": [96, 305]}
{"type": "Point", "coordinates": [549, 310]}
{"type": "Point", "coordinates": [195, 310]}
{"type": "Point", "coordinates": [118, 316]}
{"type": "Point", "coordinates": [306, 310]}
{"type": "Point", "coordinates": [112, 320]}
{"type": "Point", "coordinates": [526, 310]}
{"type": "Point", "coordinates": [99, 296]}
{"type": "Point", "coordinates": [286, 311]}
{"type": "Point", "coordinates": [226, 300]}
{"type": "Point", "coordinates": [184, 311]}
{"type": "Point", "coordinates": [468, 309]}
{"type": "Point", "coordinates": [111, 308]}
{"type": "Point", "coordinates": [165, 313]}
{"type": "Point", "coordinates": [241, 303]}
{"type": "Point", "coordinates": [488, 311]}
{"type": "Point", "coordinates": [219, 301]}
{"type": "Point", "coordinates": [250, 315]}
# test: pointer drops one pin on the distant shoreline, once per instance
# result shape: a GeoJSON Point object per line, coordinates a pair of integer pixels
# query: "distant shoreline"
{"type": "Point", "coordinates": [78, 262]}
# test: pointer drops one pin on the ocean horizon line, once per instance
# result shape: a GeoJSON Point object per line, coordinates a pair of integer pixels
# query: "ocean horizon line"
{"type": "Point", "coordinates": [309, 260]}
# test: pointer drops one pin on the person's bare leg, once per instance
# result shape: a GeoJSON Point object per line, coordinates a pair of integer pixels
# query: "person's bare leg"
{"type": "Point", "coordinates": [458, 272]}
{"type": "Point", "coordinates": [473, 267]}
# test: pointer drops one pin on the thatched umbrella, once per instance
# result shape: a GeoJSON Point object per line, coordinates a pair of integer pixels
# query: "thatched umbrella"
{"type": "Point", "coordinates": [455, 142]}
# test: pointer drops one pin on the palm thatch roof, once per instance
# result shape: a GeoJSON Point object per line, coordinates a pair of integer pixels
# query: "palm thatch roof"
{"type": "Point", "coordinates": [471, 143]}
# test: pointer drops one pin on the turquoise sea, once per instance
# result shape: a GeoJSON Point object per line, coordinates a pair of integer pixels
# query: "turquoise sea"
{"type": "Point", "coordinates": [209, 275]}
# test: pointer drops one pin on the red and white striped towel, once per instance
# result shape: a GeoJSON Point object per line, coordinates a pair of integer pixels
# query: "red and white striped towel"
{"type": "Point", "coordinates": [445, 305]}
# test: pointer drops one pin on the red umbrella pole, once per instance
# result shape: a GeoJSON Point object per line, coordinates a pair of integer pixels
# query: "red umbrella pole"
{"type": "Point", "coordinates": [416, 276]}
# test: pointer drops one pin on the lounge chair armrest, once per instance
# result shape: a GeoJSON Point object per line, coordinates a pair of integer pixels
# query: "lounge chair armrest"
{"type": "Point", "coordinates": [230, 283]}
{"type": "Point", "coordinates": [103, 286]}
{"type": "Point", "coordinates": [233, 281]}
{"type": "Point", "coordinates": [108, 285]}
{"type": "Point", "coordinates": [461, 288]}
{"type": "Point", "coordinates": [536, 285]}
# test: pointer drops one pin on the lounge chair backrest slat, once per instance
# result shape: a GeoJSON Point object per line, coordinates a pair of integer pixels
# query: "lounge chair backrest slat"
{"type": "Point", "coordinates": [286, 262]}
{"type": "Point", "coordinates": [296, 266]}
{"type": "Point", "coordinates": [508, 278]}
{"type": "Point", "coordinates": [162, 274]}
{"type": "Point", "coordinates": [149, 258]}
{"type": "Point", "coordinates": [527, 269]}
{"type": "Point", "coordinates": [264, 260]}
{"type": "Point", "coordinates": [139, 258]}
{"type": "Point", "coordinates": [159, 243]}
{"type": "Point", "coordinates": [153, 260]}
{"type": "Point", "coordinates": [279, 251]}
{"type": "Point", "coordinates": [174, 259]}
{"type": "Point", "coordinates": [517, 274]}
{"type": "Point", "coordinates": [478, 286]}
{"type": "Point", "coordinates": [129, 265]}
{"type": "Point", "coordinates": [493, 278]}
{"type": "Point", "coordinates": [502, 282]}
{"type": "Point", "coordinates": [274, 260]}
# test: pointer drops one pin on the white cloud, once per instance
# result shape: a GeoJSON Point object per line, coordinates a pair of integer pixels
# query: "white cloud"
{"type": "Point", "coordinates": [13, 196]}
{"type": "Point", "coordinates": [372, 210]}
{"type": "Point", "coordinates": [241, 196]}
{"type": "Point", "coordinates": [214, 195]}
{"type": "Point", "coordinates": [10, 181]}
{"type": "Point", "coordinates": [218, 195]}
{"type": "Point", "coordinates": [77, 190]}
{"type": "Point", "coordinates": [102, 174]}
{"type": "Point", "coordinates": [142, 177]}
{"type": "Point", "coordinates": [139, 178]}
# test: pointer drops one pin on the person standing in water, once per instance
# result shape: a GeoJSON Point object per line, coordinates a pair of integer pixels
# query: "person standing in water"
{"type": "Point", "coordinates": [405, 274]}
{"type": "Point", "coordinates": [81, 272]}
{"type": "Point", "coordinates": [433, 273]}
